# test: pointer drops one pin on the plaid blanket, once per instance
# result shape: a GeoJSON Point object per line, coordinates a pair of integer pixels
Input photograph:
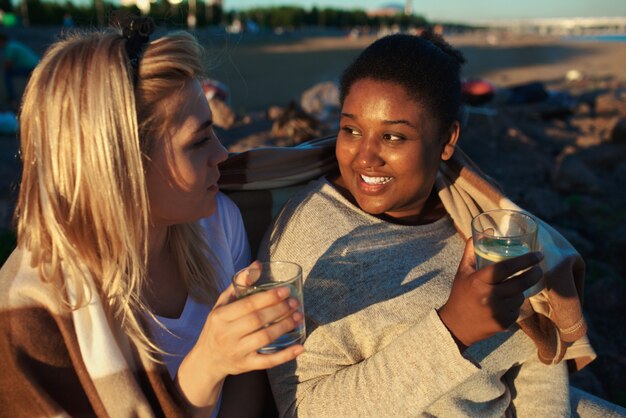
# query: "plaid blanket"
{"type": "Point", "coordinates": [60, 363]}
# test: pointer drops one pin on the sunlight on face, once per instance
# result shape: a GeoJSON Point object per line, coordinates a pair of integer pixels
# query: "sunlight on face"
{"type": "Point", "coordinates": [388, 149]}
{"type": "Point", "coordinates": [182, 173]}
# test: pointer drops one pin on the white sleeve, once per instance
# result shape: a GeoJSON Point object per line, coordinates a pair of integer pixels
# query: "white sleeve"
{"type": "Point", "coordinates": [235, 232]}
{"type": "Point", "coordinates": [227, 240]}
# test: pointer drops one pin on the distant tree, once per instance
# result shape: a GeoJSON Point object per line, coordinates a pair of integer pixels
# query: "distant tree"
{"type": "Point", "coordinates": [6, 5]}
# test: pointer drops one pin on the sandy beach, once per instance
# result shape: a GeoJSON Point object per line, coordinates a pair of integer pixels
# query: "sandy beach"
{"type": "Point", "coordinates": [260, 75]}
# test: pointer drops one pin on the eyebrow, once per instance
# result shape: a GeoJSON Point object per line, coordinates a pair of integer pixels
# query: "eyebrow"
{"type": "Point", "coordinates": [386, 122]}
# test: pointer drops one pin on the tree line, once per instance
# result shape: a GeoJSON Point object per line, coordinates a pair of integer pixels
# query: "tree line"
{"type": "Point", "coordinates": [42, 12]}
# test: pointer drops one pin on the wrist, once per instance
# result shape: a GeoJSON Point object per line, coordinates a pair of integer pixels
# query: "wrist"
{"type": "Point", "coordinates": [453, 328]}
{"type": "Point", "coordinates": [198, 384]}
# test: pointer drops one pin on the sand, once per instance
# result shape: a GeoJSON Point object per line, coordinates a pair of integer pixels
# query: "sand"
{"type": "Point", "coordinates": [277, 71]}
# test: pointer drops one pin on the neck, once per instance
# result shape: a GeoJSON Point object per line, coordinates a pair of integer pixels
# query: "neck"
{"type": "Point", "coordinates": [432, 208]}
{"type": "Point", "coordinates": [156, 244]}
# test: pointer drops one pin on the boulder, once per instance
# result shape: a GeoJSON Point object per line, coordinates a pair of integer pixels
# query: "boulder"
{"type": "Point", "coordinates": [544, 202]}
{"type": "Point", "coordinates": [223, 115]}
{"type": "Point", "coordinates": [582, 244]}
{"type": "Point", "coordinates": [609, 104]}
{"type": "Point", "coordinates": [618, 133]}
{"type": "Point", "coordinates": [320, 100]}
{"type": "Point", "coordinates": [570, 174]}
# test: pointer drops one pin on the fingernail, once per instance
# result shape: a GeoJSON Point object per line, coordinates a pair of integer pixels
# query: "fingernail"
{"type": "Point", "coordinates": [293, 303]}
{"type": "Point", "coordinates": [298, 350]}
{"type": "Point", "coordinates": [297, 316]}
{"type": "Point", "coordinates": [283, 292]}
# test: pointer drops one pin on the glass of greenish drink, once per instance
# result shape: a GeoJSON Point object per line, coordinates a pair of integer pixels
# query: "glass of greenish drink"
{"type": "Point", "coordinates": [269, 275]}
{"type": "Point", "coordinates": [501, 234]}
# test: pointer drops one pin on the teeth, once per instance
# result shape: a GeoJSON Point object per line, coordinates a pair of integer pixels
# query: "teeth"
{"type": "Point", "coordinates": [375, 180]}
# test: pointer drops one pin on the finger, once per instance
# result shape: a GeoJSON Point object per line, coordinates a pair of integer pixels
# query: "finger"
{"type": "Point", "coordinates": [267, 361]}
{"type": "Point", "coordinates": [249, 275]}
{"type": "Point", "coordinates": [468, 260]}
{"type": "Point", "coordinates": [255, 302]}
{"type": "Point", "coordinates": [267, 335]}
{"type": "Point", "coordinates": [502, 270]}
{"type": "Point", "coordinates": [226, 297]}
{"type": "Point", "coordinates": [259, 319]}
{"type": "Point", "coordinates": [517, 284]}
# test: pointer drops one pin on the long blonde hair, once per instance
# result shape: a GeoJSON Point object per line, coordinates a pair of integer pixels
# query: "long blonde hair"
{"type": "Point", "coordinates": [86, 134]}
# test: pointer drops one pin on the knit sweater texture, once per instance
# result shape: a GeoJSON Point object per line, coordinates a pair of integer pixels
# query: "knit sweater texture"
{"type": "Point", "coordinates": [376, 346]}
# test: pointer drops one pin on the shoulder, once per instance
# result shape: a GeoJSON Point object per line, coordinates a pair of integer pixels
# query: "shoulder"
{"type": "Point", "coordinates": [21, 286]}
{"type": "Point", "coordinates": [317, 200]}
{"type": "Point", "coordinates": [227, 216]}
{"type": "Point", "coordinates": [311, 221]}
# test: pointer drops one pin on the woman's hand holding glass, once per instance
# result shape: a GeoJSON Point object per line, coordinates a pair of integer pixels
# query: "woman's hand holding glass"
{"type": "Point", "coordinates": [487, 301]}
{"type": "Point", "coordinates": [232, 334]}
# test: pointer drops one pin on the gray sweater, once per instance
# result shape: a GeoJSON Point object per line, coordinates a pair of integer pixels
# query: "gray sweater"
{"type": "Point", "coordinates": [376, 346]}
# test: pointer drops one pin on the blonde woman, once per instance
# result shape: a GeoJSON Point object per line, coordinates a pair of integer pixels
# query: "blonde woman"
{"type": "Point", "coordinates": [111, 304]}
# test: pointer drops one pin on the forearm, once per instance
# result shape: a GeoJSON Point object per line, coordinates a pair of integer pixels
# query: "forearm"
{"type": "Point", "coordinates": [411, 371]}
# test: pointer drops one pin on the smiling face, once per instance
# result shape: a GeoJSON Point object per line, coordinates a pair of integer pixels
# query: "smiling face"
{"type": "Point", "coordinates": [389, 149]}
{"type": "Point", "coordinates": [182, 171]}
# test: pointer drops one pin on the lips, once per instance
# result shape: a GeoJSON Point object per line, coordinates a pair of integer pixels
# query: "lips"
{"type": "Point", "coordinates": [372, 185]}
{"type": "Point", "coordinates": [371, 181]}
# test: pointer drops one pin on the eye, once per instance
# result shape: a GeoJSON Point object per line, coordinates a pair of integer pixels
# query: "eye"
{"type": "Point", "coordinates": [393, 138]}
{"type": "Point", "coordinates": [350, 131]}
{"type": "Point", "coordinates": [201, 142]}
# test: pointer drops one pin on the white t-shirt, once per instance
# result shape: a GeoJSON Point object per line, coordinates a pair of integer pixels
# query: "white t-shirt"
{"type": "Point", "coordinates": [228, 242]}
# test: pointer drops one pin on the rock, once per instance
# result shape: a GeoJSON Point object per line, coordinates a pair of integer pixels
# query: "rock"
{"type": "Point", "coordinates": [295, 126]}
{"type": "Point", "coordinates": [544, 202]}
{"type": "Point", "coordinates": [615, 251]}
{"type": "Point", "coordinates": [609, 104]}
{"type": "Point", "coordinates": [619, 173]}
{"type": "Point", "coordinates": [320, 99]}
{"type": "Point", "coordinates": [605, 294]}
{"type": "Point", "coordinates": [223, 115]}
{"type": "Point", "coordinates": [572, 175]}
{"type": "Point", "coordinates": [618, 133]}
{"type": "Point", "coordinates": [582, 245]}
{"type": "Point", "coordinates": [274, 112]}
{"type": "Point", "coordinates": [602, 157]}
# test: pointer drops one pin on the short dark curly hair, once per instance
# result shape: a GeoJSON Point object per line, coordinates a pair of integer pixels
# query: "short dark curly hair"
{"type": "Point", "coordinates": [426, 66]}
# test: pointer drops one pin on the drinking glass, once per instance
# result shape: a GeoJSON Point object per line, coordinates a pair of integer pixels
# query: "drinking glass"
{"type": "Point", "coordinates": [274, 274]}
{"type": "Point", "coordinates": [501, 234]}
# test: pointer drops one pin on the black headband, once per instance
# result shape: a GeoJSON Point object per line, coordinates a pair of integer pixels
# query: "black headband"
{"type": "Point", "coordinates": [137, 31]}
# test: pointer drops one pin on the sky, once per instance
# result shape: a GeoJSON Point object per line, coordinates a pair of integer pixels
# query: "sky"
{"type": "Point", "coordinates": [464, 10]}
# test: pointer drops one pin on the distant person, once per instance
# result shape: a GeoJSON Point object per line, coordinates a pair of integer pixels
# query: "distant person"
{"type": "Point", "coordinates": [19, 61]}
{"type": "Point", "coordinates": [68, 21]}
{"type": "Point", "coordinates": [118, 300]}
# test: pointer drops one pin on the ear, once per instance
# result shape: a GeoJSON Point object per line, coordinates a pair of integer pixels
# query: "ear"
{"type": "Point", "coordinates": [452, 138]}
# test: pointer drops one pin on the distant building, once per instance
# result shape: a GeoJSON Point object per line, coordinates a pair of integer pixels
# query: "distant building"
{"type": "Point", "coordinates": [387, 11]}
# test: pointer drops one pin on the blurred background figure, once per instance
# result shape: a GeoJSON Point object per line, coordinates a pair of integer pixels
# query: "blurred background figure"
{"type": "Point", "coordinates": [19, 61]}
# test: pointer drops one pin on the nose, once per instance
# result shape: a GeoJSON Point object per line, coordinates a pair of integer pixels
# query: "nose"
{"type": "Point", "coordinates": [368, 154]}
{"type": "Point", "coordinates": [218, 154]}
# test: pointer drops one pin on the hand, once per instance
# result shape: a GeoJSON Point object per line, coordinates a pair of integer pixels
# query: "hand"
{"type": "Point", "coordinates": [232, 334]}
{"type": "Point", "coordinates": [487, 301]}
